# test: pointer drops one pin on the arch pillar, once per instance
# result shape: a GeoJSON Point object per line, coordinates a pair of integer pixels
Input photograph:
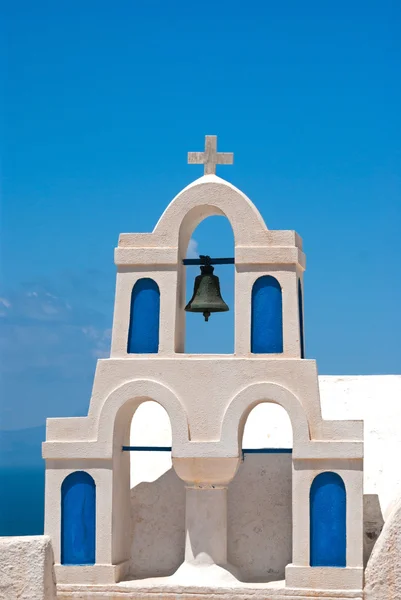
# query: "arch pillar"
{"type": "Point", "coordinates": [109, 466]}
{"type": "Point", "coordinates": [120, 538]}
{"type": "Point", "coordinates": [114, 427]}
{"type": "Point", "coordinates": [300, 573]}
{"type": "Point", "coordinates": [246, 276]}
{"type": "Point", "coordinates": [167, 281]}
{"type": "Point", "coordinates": [104, 570]}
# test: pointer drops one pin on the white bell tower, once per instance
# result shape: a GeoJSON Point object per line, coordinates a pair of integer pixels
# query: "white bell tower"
{"type": "Point", "coordinates": [208, 399]}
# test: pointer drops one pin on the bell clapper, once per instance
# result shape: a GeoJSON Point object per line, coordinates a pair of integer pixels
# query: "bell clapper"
{"type": "Point", "coordinates": [206, 314]}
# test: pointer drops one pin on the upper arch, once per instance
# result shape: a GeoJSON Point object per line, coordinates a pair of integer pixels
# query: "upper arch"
{"type": "Point", "coordinates": [208, 196]}
{"type": "Point", "coordinates": [239, 408]}
{"type": "Point", "coordinates": [122, 402]}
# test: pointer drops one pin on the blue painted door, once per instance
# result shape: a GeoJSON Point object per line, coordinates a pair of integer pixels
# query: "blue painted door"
{"type": "Point", "coordinates": [78, 519]}
{"type": "Point", "coordinates": [328, 542]}
{"type": "Point", "coordinates": [267, 316]}
{"type": "Point", "coordinates": [143, 335]}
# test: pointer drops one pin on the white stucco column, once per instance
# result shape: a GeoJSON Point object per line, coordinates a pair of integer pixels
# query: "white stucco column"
{"type": "Point", "coordinates": [206, 525]}
{"type": "Point", "coordinates": [206, 481]}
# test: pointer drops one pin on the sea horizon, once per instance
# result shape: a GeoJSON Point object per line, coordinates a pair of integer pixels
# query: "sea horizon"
{"type": "Point", "coordinates": [22, 500]}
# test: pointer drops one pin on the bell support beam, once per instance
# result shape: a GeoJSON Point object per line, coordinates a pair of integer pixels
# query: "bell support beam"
{"type": "Point", "coordinates": [244, 450]}
{"type": "Point", "coordinates": [212, 261]}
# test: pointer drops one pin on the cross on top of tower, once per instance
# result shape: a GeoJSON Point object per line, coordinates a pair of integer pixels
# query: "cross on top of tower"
{"type": "Point", "coordinates": [210, 157]}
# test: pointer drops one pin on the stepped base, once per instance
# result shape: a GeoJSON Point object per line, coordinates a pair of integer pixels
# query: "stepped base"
{"type": "Point", "coordinates": [167, 588]}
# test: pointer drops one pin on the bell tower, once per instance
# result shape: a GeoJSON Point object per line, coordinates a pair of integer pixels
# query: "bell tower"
{"type": "Point", "coordinates": [208, 399]}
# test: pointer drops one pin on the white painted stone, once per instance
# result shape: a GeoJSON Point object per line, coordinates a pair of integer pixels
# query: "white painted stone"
{"type": "Point", "coordinates": [373, 398]}
{"type": "Point", "coordinates": [156, 589]}
{"type": "Point", "coordinates": [259, 517]}
{"type": "Point", "coordinates": [208, 399]}
{"type": "Point", "coordinates": [26, 568]}
{"type": "Point", "coordinates": [259, 529]}
{"type": "Point", "coordinates": [158, 526]}
{"type": "Point", "coordinates": [383, 572]}
{"type": "Point", "coordinates": [210, 157]}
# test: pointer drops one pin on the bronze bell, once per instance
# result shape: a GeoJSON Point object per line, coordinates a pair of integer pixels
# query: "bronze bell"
{"type": "Point", "coordinates": [206, 297]}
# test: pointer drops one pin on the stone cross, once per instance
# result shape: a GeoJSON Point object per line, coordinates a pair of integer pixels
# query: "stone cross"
{"type": "Point", "coordinates": [210, 157]}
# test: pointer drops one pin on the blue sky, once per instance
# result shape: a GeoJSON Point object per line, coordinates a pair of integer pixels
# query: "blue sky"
{"type": "Point", "coordinates": [102, 101]}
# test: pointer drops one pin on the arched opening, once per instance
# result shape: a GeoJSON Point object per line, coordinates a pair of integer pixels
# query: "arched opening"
{"type": "Point", "coordinates": [78, 519]}
{"type": "Point", "coordinates": [268, 426]}
{"type": "Point", "coordinates": [151, 433]}
{"type": "Point", "coordinates": [213, 237]}
{"type": "Point", "coordinates": [260, 496]}
{"type": "Point", "coordinates": [157, 498]}
{"type": "Point", "coordinates": [328, 541]}
{"type": "Point", "coordinates": [143, 334]}
{"type": "Point", "coordinates": [267, 316]}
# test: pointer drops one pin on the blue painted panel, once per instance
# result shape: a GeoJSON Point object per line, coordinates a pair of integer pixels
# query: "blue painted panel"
{"type": "Point", "coordinates": [78, 519]}
{"type": "Point", "coordinates": [267, 316]}
{"type": "Point", "coordinates": [328, 541]}
{"type": "Point", "coordinates": [301, 319]}
{"type": "Point", "coordinates": [143, 335]}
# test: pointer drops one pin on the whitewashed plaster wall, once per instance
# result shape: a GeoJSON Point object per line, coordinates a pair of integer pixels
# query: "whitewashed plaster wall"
{"type": "Point", "coordinates": [259, 498]}
{"type": "Point", "coordinates": [268, 426]}
{"type": "Point", "coordinates": [26, 568]}
{"type": "Point", "coordinates": [374, 398]}
{"type": "Point", "coordinates": [377, 400]}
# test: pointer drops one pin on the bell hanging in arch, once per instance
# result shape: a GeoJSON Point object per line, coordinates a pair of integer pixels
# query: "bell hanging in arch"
{"type": "Point", "coordinates": [206, 297]}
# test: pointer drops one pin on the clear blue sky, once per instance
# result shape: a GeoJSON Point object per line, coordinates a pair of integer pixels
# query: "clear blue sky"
{"type": "Point", "coordinates": [102, 101]}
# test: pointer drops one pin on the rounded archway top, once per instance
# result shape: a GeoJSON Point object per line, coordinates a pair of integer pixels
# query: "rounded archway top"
{"type": "Point", "coordinates": [208, 196]}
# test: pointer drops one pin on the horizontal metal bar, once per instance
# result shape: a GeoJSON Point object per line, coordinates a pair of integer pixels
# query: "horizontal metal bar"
{"type": "Point", "coordinates": [213, 261]}
{"type": "Point", "coordinates": [267, 451]}
{"type": "Point", "coordinates": [244, 451]}
{"type": "Point", "coordinates": [146, 448]}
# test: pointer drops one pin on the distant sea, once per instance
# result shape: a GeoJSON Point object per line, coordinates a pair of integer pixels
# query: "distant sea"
{"type": "Point", "coordinates": [22, 500]}
{"type": "Point", "coordinates": [22, 481]}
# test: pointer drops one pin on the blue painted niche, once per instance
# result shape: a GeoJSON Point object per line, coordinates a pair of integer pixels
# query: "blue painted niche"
{"type": "Point", "coordinates": [267, 316]}
{"type": "Point", "coordinates": [143, 335]}
{"type": "Point", "coordinates": [78, 519]}
{"type": "Point", "coordinates": [328, 538]}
